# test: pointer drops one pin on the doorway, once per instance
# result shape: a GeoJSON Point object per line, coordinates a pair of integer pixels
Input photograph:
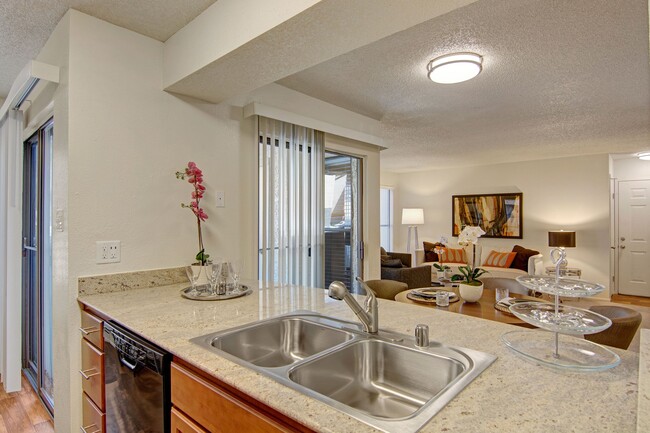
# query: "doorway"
{"type": "Point", "coordinates": [37, 263]}
{"type": "Point", "coordinates": [343, 219]}
{"type": "Point", "coordinates": [633, 237]}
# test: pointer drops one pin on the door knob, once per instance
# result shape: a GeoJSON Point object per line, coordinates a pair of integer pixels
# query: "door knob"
{"type": "Point", "coordinates": [622, 238]}
{"type": "Point", "coordinates": [622, 247]}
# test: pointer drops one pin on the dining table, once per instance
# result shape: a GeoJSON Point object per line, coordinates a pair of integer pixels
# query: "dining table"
{"type": "Point", "coordinates": [484, 308]}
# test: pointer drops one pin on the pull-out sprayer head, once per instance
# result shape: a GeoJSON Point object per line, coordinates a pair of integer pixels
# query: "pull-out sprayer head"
{"type": "Point", "coordinates": [337, 290]}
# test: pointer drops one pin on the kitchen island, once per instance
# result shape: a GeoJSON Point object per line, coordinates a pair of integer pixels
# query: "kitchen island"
{"type": "Point", "coordinates": [512, 395]}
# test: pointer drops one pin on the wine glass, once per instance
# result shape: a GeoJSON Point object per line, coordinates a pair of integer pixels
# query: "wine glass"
{"type": "Point", "coordinates": [213, 273]}
{"type": "Point", "coordinates": [234, 268]}
{"type": "Point", "coordinates": [193, 273]}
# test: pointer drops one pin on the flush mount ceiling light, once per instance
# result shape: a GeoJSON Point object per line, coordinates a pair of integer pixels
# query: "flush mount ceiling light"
{"type": "Point", "coordinates": [644, 156]}
{"type": "Point", "coordinates": [454, 68]}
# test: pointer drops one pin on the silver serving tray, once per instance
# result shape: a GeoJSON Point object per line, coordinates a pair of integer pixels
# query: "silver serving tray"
{"type": "Point", "coordinates": [202, 293]}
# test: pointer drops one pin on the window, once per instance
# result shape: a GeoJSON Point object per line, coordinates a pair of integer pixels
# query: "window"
{"type": "Point", "coordinates": [386, 218]}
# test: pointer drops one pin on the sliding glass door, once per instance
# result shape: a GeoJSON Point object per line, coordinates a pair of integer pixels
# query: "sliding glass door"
{"type": "Point", "coordinates": [343, 240]}
{"type": "Point", "coordinates": [37, 262]}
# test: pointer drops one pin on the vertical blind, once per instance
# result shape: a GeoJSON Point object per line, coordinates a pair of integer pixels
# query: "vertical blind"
{"type": "Point", "coordinates": [290, 204]}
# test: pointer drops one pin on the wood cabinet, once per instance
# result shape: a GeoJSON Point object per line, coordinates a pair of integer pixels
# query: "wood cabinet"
{"type": "Point", "coordinates": [92, 329]}
{"type": "Point", "coordinates": [212, 408]}
{"type": "Point", "coordinates": [182, 424]}
{"type": "Point", "coordinates": [200, 403]}
{"type": "Point", "coordinates": [93, 417]}
{"type": "Point", "coordinates": [92, 373]}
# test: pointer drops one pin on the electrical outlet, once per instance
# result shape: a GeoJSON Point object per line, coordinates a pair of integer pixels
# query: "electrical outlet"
{"type": "Point", "coordinates": [108, 251]}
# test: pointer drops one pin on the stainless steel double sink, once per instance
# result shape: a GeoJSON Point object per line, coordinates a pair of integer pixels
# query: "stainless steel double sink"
{"type": "Point", "coordinates": [381, 379]}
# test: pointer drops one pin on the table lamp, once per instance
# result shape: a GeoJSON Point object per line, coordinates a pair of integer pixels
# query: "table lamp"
{"type": "Point", "coordinates": [562, 239]}
{"type": "Point", "coordinates": [412, 217]}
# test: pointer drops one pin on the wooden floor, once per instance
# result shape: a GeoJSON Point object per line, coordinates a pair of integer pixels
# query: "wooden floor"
{"type": "Point", "coordinates": [23, 412]}
{"type": "Point", "coordinates": [631, 300]}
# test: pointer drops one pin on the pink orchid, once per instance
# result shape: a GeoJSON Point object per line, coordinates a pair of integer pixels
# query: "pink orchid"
{"type": "Point", "coordinates": [194, 176]}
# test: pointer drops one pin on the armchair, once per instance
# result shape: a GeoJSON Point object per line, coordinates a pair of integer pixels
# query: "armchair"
{"type": "Point", "coordinates": [413, 277]}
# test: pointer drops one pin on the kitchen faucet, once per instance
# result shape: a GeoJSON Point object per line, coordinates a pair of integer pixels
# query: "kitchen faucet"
{"type": "Point", "coordinates": [369, 316]}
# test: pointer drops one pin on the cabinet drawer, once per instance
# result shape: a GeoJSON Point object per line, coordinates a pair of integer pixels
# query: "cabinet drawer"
{"type": "Point", "coordinates": [182, 424]}
{"type": "Point", "coordinates": [92, 373]}
{"type": "Point", "coordinates": [92, 328]}
{"type": "Point", "coordinates": [93, 418]}
{"type": "Point", "coordinates": [213, 408]}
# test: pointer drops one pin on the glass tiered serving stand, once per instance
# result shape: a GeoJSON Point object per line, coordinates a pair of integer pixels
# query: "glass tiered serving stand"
{"type": "Point", "coordinates": [560, 345]}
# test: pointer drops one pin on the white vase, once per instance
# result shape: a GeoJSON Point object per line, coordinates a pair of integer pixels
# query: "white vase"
{"type": "Point", "coordinates": [441, 274]}
{"type": "Point", "coordinates": [470, 293]}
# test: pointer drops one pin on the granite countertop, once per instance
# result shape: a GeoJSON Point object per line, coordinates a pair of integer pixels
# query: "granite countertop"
{"type": "Point", "coordinates": [512, 395]}
{"type": "Point", "coordinates": [643, 421]}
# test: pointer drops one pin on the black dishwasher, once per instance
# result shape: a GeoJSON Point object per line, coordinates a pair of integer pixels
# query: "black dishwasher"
{"type": "Point", "coordinates": [138, 398]}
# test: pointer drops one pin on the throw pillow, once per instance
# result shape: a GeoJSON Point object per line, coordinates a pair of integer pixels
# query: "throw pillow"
{"type": "Point", "coordinates": [453, 255]}
{"type": "Point", "coordinates": [429, 253]}
{"type": "Point", "coordinates": [391, 263]}
{"type": "Point", "coordinates": [498, 259]}
{"type": "Point", "coordinates": [521, 259]}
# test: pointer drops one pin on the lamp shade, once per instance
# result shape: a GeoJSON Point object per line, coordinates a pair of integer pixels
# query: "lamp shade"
{"type": "Point", "coordinates": [562, 239]}
{"type": "Point", "coordinates": [412, 216]}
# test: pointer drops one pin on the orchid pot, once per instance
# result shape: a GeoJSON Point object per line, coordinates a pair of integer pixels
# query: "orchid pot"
{"type": "Point", "coordinates": [470, 292]}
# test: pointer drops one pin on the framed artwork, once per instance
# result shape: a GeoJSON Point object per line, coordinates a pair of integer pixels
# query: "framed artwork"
{"type": "Point", "coordinates": [500, 215]}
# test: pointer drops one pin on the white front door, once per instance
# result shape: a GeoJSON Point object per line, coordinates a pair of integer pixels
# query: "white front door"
{"type": "Point", "coordinates": [634, 237]}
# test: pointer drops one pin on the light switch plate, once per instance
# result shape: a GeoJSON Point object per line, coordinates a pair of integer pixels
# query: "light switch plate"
{"type": "Point", "coordinates": [108, 251]}
{"type": "Point", "coordinates": [58, 220]}
{"type": "Point", "coordinates": [221, 199]}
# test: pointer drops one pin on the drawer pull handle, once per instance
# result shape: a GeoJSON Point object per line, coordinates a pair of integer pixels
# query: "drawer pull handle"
{"type": "Point", "coordinates": [85, 429]}
{"type": "Point", "coordinates": [89, 330]}
{"type": "Point", "coordinates": [87, 376]}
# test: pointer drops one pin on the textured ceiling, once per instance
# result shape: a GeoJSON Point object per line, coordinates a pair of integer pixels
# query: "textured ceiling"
{"type": "Point", "coordinates": [559, 79]}
{"type": "Point", "coordinates": [25, 25]}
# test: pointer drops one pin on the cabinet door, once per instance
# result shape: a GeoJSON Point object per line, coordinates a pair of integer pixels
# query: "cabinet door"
{"type": "Point", "coordinates": [215, 409]}
{"type": "Point", "coordinates": [182, 424]}
{"type": "Point", "coordinates": [93, 418]}
{"type": "Point", "coordinates": [91, 329]}
{"type": "Point", "coordinates": [92, 372]}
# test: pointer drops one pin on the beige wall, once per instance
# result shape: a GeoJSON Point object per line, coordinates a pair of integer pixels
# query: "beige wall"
{"type": "Point", "coordinates": [565, 193]}
{"type": "Point", "coordinates": [630, 169]}
{"type": "Point", "coordinates": [119, 139]}
{"type": "Point", "coordinates": [54, 100]}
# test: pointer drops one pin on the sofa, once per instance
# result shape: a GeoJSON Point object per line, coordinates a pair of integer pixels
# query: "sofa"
{"type": "Point", "coordinates": [534, 264]}
{"type": "Point", "coordinates": [397, 267]}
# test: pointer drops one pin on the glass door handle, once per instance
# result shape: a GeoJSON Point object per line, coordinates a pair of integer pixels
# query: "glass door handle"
{"type": "Point", "coordinates": [27, 247]}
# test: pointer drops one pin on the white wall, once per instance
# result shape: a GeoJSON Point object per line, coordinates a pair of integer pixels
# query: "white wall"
{"type": "Point", "coordinates": [566, 193]}
{"type": "Point", "coordinates": [630, 169]}
{"type": "Point", "coordinates": [56, 52]}
{"type": "Point", "coordinates": [222, 28]}
{"type": "Point", "coordinates": [119, 139]}
{"type": "Point", "coordinates": [321, 114]}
